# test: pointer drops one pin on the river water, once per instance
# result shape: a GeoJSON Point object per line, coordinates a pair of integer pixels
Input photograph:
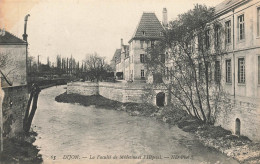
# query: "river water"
{"type": "Point", "coordinates": [71, 133]}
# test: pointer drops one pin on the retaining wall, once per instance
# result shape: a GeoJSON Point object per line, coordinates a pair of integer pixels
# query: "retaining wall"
{"type": "Point", "coordinates": [246, 110]}
{"type": "Point", "coordinates": [14, 106]}
{"type": "Point", "coordinates": [122, 92]}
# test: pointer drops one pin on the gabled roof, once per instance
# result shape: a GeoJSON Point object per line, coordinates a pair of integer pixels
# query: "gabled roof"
{"type": "Point", "coordinates": [117, 56]}
{"type": "Point", "coordinates": [10, 39]}
{"type": "Point", "coordinates": [227, 5]}
{"type": "Point", "coordinates": [150, 25]}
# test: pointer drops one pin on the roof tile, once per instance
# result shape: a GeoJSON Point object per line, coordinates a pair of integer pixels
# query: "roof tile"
{"type": "Point", "coordinates": [150, 25]}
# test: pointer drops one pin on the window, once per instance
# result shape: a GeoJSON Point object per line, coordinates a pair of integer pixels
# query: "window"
{"type": "Point", "coordinates": [143, 32]}
{"type": "Point", "coordinates": [217, 71]}
{"type": "Point", "coordinates": [142, 44]}
{"type": "Point", "coordinates": [152, 44]}
{"type": "Point", "coordinates": [241, 70]}
{"type": "Point", "coordinates": [207, 39]}
{"type": "Point", "coordinates": [142, 58]}
{"type": "Point", "coordinates": [228, 71]}
{"type": "Point", "coordinates": [228, 31]}
{"type": "Point", "coordinates": [161, 33]}
{"type": "Point", "coordinates": [241, 27]}
{"type": "Point", "coordinates": [217, 35]}
{"type": "Point", "coordinates": [163, 58]}
{"type": "Point", "coordinates": [142, 73]}
{"type": "Point", "coordinates": [258, 69]}
{"type": "Point", "coordinates": [258, 21]}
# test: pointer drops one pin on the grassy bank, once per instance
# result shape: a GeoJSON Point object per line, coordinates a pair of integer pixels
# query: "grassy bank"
{"type": "Point", "coordinates": [20, 150]}
{"type": "Point", "coordinates": [238, 147]}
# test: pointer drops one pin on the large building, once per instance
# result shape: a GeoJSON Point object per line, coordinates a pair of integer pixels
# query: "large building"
{"type": "Point", "coordinates": [131, 61]}
{"type": "Point", "coordinates": [240, 68]}
{"type": "Point", "coordinates": [238, 71]}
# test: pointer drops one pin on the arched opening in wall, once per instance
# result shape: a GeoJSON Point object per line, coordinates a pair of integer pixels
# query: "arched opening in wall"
{"type": "Point", "coordinates": [160, 99]}
{"type": "Point", "coordinates": [237, 128]}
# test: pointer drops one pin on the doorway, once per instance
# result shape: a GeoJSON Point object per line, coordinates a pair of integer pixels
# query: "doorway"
{"type": "Point", "coordinates": [237, 128]}
{"type": "Point", "coordinates": [160, 99]}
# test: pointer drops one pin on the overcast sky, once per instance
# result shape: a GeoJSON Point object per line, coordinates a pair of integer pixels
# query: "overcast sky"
{"type": "Point", "coordinates": [79, 27]}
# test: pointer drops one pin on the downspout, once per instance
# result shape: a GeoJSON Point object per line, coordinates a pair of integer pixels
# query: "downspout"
{"type": "Point", "coordinates": [233, 49]}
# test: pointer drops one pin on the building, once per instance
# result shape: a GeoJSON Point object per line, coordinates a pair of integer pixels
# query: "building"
{"type": "Point", "coordinates": [131, 62]}
{"type": "Point", "coordinates": [240, 68]}
{"type": "Point", "coordinates": [238, 71]}
{"type": "Point", "coordinates": [13, 82]}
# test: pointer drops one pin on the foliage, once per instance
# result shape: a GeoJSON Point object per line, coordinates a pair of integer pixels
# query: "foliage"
{"type": "Point", "coordinates": [191, 45]}
{"type": "Point", "coordinates": [96, 67]}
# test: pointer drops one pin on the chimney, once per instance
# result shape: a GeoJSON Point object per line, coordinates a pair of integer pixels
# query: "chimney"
{"type": "Point", "coordinates": [122, 43]}
{"type": "Point", "coordinates": [25, 27]}
{"type": "Point", "coordinates": [165, 18]}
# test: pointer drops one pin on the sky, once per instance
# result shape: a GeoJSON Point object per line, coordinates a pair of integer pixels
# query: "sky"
{"type": "Point", "coordinates": [80, 27]}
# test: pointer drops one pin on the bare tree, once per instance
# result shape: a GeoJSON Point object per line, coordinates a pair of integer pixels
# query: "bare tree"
{"type": "Point", "coordinates": [188, 58]}
{"type": "Point", "coordinates": [96, 67]}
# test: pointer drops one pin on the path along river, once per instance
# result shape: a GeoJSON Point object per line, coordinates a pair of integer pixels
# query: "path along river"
{"type": "Point", "coordinates": [71, 133]}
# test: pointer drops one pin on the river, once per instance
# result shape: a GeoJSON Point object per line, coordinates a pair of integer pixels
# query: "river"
{"type": "Point", "coordinates": [71, 133]}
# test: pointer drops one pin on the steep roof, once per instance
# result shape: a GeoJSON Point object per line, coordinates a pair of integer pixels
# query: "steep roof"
{"type": "Point", "coordinates": [10, 39]}
{"type": "Point", "coordinates": [117, 55]}
{"type": "Point", "coordinates": [227, 4]}
{"type": "Point", "coordinates": [150, 25]}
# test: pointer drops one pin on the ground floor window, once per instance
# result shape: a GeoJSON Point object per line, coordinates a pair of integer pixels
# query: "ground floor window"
{"type": "Point", "coordinates": [142, 73]}
{"type": "Point", "coordinates": [241, 70]}
{"type": "Point", "coordinates": [217, 71]}
{"type": "Point", "coordinates": [228, 71]}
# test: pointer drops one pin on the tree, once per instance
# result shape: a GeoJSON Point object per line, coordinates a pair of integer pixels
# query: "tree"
{"type": "Point", "coordinates": [29, 114]}
{"type": "Point", "coordinates": [191, 47]}
{"type": "Point", "coordinates": [96, 67]}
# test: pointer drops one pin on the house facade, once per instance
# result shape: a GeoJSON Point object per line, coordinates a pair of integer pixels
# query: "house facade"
{"type": "Point", "coordinates": [13, 82]}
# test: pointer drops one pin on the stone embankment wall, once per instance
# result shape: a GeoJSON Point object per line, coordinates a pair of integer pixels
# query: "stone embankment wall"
{"type": "Point", "coordinates": [14, 107]}
{"type": "Point", "coordinates": [241, 114]}
{"type": "Point", "coordinates": [122, 92]}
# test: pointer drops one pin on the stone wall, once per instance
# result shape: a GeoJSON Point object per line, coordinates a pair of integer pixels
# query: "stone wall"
{"type": "Point", "coordinates": [122, 92]}
{"type": "Point", "coordinates": [244, 109]}
{"type": "Point", "coordinates": [14, 106]}
{"type": "Point", "coordinates": [85, 89]}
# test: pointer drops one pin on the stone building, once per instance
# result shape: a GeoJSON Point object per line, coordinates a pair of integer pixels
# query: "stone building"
{"type": "Point", "coordinates": [240, 68]}
{"type": "Point", "coordinates": [131, 62]}
{"type": "Point", "coordinates": [13, 82]}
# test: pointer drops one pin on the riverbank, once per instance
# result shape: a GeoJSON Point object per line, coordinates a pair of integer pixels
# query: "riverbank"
{"type": "Point", "coordinates": [21, 150]}
{"type": "Point", "coordinates": [240, 148]}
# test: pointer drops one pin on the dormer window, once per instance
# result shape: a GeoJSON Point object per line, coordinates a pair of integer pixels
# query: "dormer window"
{"type": "Point", "coordinates": [143, 33]}
{"type": "Point", "coordinates": [161, 33]}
